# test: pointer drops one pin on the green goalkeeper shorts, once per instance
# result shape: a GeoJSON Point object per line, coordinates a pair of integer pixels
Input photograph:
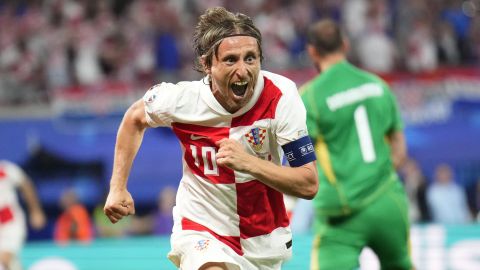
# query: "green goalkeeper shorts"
{"type": "Point", "coordinates": [383, 226]}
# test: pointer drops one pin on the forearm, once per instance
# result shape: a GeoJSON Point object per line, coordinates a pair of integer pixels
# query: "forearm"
{"type": "Point", "coordinates": [129, 138]}
{"type": "Point", "coordinates": [30, 196]}
{"type": "Point", "coordinates": [300, 182]}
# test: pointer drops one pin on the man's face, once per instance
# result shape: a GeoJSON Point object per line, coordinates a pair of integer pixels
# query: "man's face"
{"type": "Point", "coordinates": [234, 71]}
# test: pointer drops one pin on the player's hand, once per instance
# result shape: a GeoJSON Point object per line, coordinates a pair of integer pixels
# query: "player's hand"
{"type": "Point", "coordinates": [118, 205]}
{"type": "Point", "coordinates": [232, 155]}
{"type": "Point", "coordinates": [37, 219]}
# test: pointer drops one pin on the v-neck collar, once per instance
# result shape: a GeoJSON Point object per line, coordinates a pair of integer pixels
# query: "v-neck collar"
{"type": "Point", "coordinates": [209, 98]}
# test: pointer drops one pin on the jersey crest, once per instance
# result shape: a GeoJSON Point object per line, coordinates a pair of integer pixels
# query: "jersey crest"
{"type": "Point", "coordinates": [256, 137]}
{"type": "Point", "coordinates": [202, 244]}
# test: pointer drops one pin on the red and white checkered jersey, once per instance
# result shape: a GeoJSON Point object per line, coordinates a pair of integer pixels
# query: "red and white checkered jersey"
{"type": "Point", "coordinates": [236, 208]}
{"type": "Point", "coordinates": [11, 176]}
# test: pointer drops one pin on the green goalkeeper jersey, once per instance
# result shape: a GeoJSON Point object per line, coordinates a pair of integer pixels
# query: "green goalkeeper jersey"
{"type": "Point", "coordinates": [349, 114]}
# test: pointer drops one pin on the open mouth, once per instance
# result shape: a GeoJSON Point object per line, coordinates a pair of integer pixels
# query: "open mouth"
{"type": "Point", "coordinates": [239, 88]}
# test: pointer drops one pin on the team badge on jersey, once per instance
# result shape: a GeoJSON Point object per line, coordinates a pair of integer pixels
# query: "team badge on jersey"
{"type": "Point", "coordinates": [256, 137]}
{"type": "Point", "coordinates": [202, 244]}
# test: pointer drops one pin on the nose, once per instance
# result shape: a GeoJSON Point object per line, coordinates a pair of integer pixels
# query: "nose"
{"type": "Point", "coordinates": [242, 69]}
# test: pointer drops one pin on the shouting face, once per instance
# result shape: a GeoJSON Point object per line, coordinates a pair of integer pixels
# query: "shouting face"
{"type": "Point", "coordinates": [234, 71]}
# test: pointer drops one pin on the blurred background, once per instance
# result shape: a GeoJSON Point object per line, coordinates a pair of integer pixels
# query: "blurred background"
{"type": "Point", "coordinates": [70, 68]}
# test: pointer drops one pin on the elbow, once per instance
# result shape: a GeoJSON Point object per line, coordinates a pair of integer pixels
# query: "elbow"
{"type": "Point", "coordinates": [310, 190]}
{"type": "Point", "coordinates": [135, 116]}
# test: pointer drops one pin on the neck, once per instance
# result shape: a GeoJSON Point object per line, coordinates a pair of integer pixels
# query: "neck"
{"type": "Point", "coordinates": [330, 60]}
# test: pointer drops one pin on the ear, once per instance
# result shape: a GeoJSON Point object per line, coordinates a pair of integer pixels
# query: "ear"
{"type": "Point", "coordinates": [345, 45]}
{"type": "Point", "coordinates": [206, 68]}
{"type": "Point", "coordinates": [312, 52]}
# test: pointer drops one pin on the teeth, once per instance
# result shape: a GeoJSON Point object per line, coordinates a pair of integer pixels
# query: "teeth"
{"type": "Point", "coordinates": [240, 83]}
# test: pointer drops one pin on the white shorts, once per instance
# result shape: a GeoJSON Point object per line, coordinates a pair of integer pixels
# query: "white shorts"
{"type": "Point", "coordinates": [192, 249]}
{"type": "Point", "coordinates": [12, 235]}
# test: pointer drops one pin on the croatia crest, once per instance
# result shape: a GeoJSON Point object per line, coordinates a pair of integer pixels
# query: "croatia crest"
{"type": "Point", "coordinates": [255, 137]}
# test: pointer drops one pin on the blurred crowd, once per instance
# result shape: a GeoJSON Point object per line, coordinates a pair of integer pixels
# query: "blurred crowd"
{"type": "Point", "coordinates": [440, 200]}
{"type": "Point", "coordinates": [79, 222]}
{"type": "Point", "coordinates": [49, 46]}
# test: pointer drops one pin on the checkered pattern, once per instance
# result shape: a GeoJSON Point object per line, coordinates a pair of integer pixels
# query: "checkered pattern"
{"type": "Point", "coordinates": [261, 137]}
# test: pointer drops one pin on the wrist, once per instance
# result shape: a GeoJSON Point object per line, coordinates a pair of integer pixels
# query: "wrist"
{"type": "Point", "coordinates": [117, 187]}
{"type": "Point", "coordinates": [253, 166]}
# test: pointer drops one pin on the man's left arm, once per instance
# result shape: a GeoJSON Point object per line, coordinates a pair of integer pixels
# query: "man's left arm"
{"type": "Point", "coordinates": [398, 147]}
{"type": "Point", "coordinates": [298, 181]}
{"type": "Point", "coordinates": [396, 136]}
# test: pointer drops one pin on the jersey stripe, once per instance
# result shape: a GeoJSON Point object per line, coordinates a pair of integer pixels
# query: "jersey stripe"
{"type": "Point", "coordinates": [321, 150]}
{"type": "Point", "coordinates": [231, 241]}
{"type": "Point", "coordinates": [260, 208]}
{"type": "Point", "coordinates": [264, 108]}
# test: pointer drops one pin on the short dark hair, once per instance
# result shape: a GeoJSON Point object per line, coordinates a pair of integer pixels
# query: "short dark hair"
{"type": "Point", "coordinates": [326, 36]}
{"type": "Point", "coordinates": [216, 24]}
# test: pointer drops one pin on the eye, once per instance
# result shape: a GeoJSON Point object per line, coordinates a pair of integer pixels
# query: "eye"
{"type": "Point", "coordinates": [250, 59]}
{"type": "Point", "coordinates": [230, 60]}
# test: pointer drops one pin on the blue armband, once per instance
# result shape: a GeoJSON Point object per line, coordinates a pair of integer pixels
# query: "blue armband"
{"type": "Point", "coordinates": [299, 152]}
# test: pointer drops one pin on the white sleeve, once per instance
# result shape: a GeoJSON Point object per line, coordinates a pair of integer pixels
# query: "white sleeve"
{"type": "Point", "coordinates": [160, 104]}
{"type": "Point", "coordinates": [290, 118]}
{"type": "Point", "coordinates": [14, 173]}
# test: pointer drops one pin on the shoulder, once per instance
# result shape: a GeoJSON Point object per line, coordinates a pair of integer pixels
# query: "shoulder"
{"type": "Point", "coordinates": [367, 75]}
{"type": "Point", "coordinates": [12, 171]}
{"type": "Point", "coordinates": [306, 87]}
{"type": "Point", "coordinates": [284, 84]}
{"type": "Point", "coordinates": [9, 166]}
{"type": "Point", "coordinates": [179, 87]}
{"type": "Point", "coordinates": [172, 91]}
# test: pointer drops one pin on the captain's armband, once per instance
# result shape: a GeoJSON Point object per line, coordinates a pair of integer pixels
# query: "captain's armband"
{"type": "Point", "coordinates": [299, 152]}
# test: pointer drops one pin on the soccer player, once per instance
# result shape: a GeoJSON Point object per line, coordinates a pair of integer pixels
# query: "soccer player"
{"type": "Point", "coordinates": [13, 229]}
{"type": "Point", "coordinates": [354, 121]}
{"type": "Point", "coordinates": [231, 124]}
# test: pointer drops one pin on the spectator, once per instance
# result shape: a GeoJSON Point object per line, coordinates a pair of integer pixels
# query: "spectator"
{"type": "Point", "coordinates": [162, 222]}
{"type": "Point", "coordinates": [375, 40]}
{"type": "Point", "coordinates": [446, 199]}
{"type": "Point", "coordinates": [74, 224]}
{"type": "Point", "coordinates": [421, 47]}
{"type": "Point", "coordinates": [416, 188]}
{"type": "Point", "coordinates": [473, 198]}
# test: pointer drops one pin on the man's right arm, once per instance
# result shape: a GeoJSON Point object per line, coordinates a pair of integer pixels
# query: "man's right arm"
{"type": "Point", "coordinates": [119, 202]}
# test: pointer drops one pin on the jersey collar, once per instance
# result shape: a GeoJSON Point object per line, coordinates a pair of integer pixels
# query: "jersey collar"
{"type": "Point", "coordinates": [209, 98]}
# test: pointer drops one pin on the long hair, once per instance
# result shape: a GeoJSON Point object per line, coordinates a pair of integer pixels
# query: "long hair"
{"type": "Point", "coordinates": [213, 26]}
